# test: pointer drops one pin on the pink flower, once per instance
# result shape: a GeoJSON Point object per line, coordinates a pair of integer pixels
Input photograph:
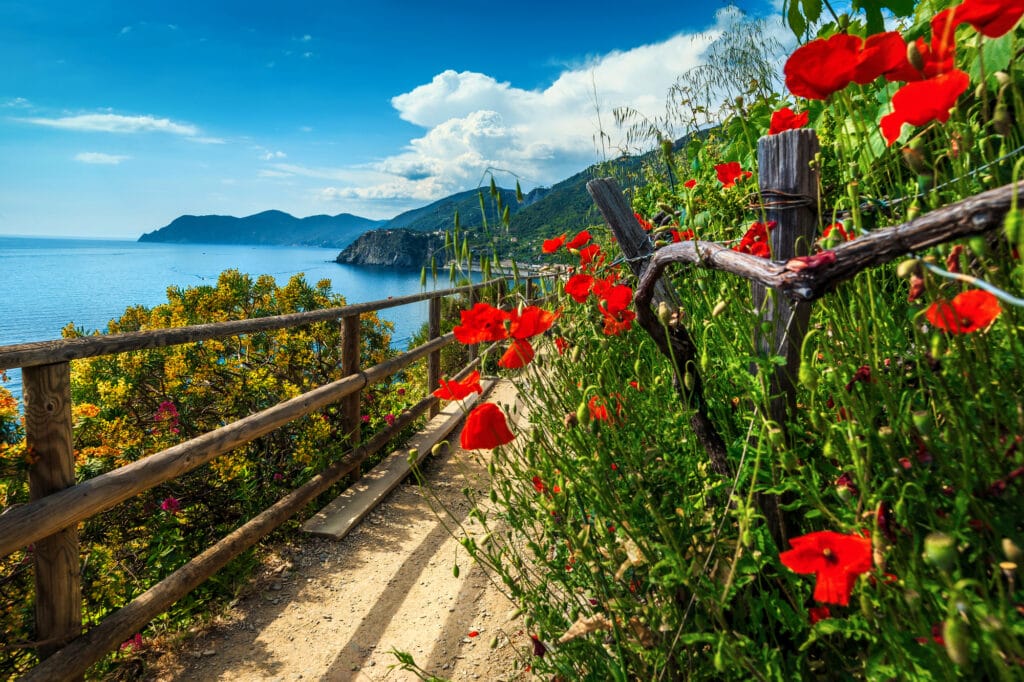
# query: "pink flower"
{"type": "Point", "coordinates": [390, 419]}
{"type": "Point", "coordinates": [171, 505]}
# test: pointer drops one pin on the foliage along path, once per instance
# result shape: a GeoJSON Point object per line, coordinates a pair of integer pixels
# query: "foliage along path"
{"type": "Point", "coordinates": [330, 610]}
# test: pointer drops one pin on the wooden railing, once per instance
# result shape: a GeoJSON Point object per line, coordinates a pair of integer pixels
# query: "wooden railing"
{"type": "Point", "coordinates": [57, 505]}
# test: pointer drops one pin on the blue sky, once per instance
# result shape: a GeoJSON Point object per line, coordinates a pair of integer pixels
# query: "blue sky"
{"type": "Point", "coordinates": [117, 117]}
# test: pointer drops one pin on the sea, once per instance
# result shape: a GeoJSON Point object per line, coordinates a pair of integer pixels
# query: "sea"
{"type": "Point", "coordinates": [48, 283]}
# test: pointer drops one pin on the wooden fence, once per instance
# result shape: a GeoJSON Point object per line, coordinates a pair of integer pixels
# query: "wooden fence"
{"type": "Point", "coordinates": [57, 505]}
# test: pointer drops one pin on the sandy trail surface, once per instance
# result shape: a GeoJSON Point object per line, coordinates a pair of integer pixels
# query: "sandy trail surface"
{"type": "Point", "coordinates": [333, 610]}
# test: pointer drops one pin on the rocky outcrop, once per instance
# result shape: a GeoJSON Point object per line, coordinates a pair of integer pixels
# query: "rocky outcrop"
{"type": "Point", "coordinates": [393, 248]}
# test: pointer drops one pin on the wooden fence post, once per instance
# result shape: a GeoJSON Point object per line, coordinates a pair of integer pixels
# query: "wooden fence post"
{"type": "Point", "coordinates": [351, 407]}
{"type": "Point", "coordinates": [434, 359]}
{"type": "Point", "coordinates": [47, 391]}
{"type": "Point", "coordinates": [635, 243]}
{"type": "Point", "coordinates": [789, 192]}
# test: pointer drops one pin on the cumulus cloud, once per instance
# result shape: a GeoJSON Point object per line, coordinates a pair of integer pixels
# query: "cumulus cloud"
{"type": "Point", "coordinates": [116, 123]}
{"type": "Point", "coordinates": [473, 122]}
{"type": "Point", "coordinates": [100, 158]}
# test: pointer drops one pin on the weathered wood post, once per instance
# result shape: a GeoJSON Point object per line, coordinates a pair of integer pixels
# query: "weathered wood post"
{"type": "Point", "coordinates": [434, 359]}
{"type": "Point", "coordinates": [635, 243]}
{"type": "Point", "coordinates": [47, 390]}
{"type": "Point", "coordinates": [789, 192]}
{"type": "Point", "coordinates": [351, 407]}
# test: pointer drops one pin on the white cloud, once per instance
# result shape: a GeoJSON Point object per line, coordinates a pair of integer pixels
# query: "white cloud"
{"type": "Point", "coordinates": [270, 156]}
{"type": "Point", "coordinates": [116, 123]}
{"type": "Point", "coordinates": [306, 38]}
{"type": "Point", "coordinates": [17, 103]}
{"type": "Point", "coordinates": [473, 122]}
{"type": "Point", "coordinates": [101, 158]}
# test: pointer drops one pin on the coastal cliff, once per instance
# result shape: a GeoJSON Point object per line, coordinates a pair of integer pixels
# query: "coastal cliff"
{"type": "Point", "coordinates": [393, 248]}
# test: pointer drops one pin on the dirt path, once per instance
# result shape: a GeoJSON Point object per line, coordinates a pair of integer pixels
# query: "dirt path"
{"type": "Point", "coordinates": [327, 610]}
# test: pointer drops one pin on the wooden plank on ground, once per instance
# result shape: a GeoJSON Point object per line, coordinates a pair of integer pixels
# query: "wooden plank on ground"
{"type": "Point", "coordinates": [345, 512]}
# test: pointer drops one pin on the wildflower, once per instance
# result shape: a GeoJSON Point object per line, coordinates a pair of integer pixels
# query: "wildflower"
{"type": "Point", "coordinates": [519, 354]}
{"type": "Point", "coordinates": [863, 374]}
{"type": "Point", "coordinates": [171, 505]}
{"type": "Point", "coordinates": [552, 245]}
{"type": "Point", "coordinates": [818, 613]}
{"type": "Point", "coordinates": [615, 298]}
{"type": "Point", "coordinates": [278, 477]}
{"type": "Point", "coordinates": [531, 321]}
{"type": "Point", "coordinates": [616, 323]}
{"type": "Point", "coordinates": [731, 173]}
{"type": "Point", "coordinates": [786, 119]}
{"type": "Point", "coordinates": [967, 312]}
{"type": "Point", "coordinates": [924, 101]}
{"type": "Point", "coordinates": [390, 419]}
{"type": "Point", "coordinates": [539, 648]}
{"type": "Point", "coordinates": [646, 224]}
{"type": "Point", "coordinates": [473, 633]}
{"type": "Point", "coordinates": [598, 409]}
{"type": "Point", "coordinates": [835, 559]}
{"type": "Point", "coordinates": [845, 483]}
{"type": "Point", "coordinates": [685, 235]}
{"type": "Point", "coordinates": [588, 254]}
{"type": "Point", "coordinates": [579, 240]}
{"type": "Point", "coordinates": [991, 18]}
{"type": "Point", "coordinates": [400, 391]}
{"type": "Point", "coordinates": [817, 69]}
{"type": "Point", "coordinates": [755, 240]}
{"type": "Point", "coordinates": [884, 54]}
{"type": "Point", "coordinates": [837, 230]}
{"type": "Point", "coordinates": [538, 484]}
{"type": "Point", "coordinates": [483, 322]}
{"type": "Point", "coordinates": [690, 184]}
{"type": "Point", "coordinates": [561, 344]}
{"type": "Point", "coordinates": [578, 287]}
{"type": "Point", "coordinates": [364, 418]}
{"type": "Point", "coordinates": [457, 390]}
{"type": "Point", "coordinates": [485, 428]}
{"type": "Point", "coordinates": [134, 643]}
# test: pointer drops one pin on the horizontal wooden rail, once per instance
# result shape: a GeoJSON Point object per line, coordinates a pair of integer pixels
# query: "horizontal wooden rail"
{"type": "Point", "coordinates": [25, 524]}
{"type": "Point", "coordinates": [75, 658]}
{"type": "Point", "coordinates": [49, 352]}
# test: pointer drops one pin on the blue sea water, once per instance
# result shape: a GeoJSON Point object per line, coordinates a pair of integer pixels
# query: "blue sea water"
{"type": "Point", "coordinates": [48, 283]}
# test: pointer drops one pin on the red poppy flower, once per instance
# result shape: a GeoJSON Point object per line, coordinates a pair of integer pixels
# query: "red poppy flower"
{"type": "Point", "coordinates": [614, 324]}
{"type": "Point", "coordinates": [786, 119]}
{"type": "Point", "coordinates": [485, 428]}
{"type": "Point", "coordinates": [839, 230]}
{"type": "Point", "coordinates": [817, 69]}
{"type": "Point", "coordinates": [561, 344]}
{"type": "Point", "coordinates": [483, 322]}
{"type": "Point", "coordinates": [519, 354]}
{"type": "Point", "coordinates": [538, 484]}
{"type": "Point", "coordinates": [615, 298]}
{"type": "Point", "coordinates": [554, 244]}
{"type": "Point", "coordinates": [578, 286]}
{"type": "Point", "coordinates": [587, 256]}
{"type": "Point", "coordinates": [690, 184]}
{"type": "Point", "coordinates": [991, 18]}
{"type": "Point", "coordinates": [598, 410]}
{"type": "Point", "coordinates": [924, 101]}
{"type": "Point", "coordinates": [863, 374]}
{"type": "Point", "coordinates": [731, 173]}
{"type": "Point", "coordinates": [883, 54]}
{"type": "Point", "coordinates": [644, 223]}
{"type": "Point", "coordinates": [817, 613]}
{"type": "Point", "coordinates": [579, 240]}
{"type": "Point", "coordinates": [530, 321]}
{"type": "Point", "coordinates": [457, 390]}
{"type": "Point", "coordinates": [755, 240]}
{"type": "Point", "coordinates": [834, 558]}
{"type": "Point", "coordinates": [967, 312]}
{"type": "Point", "coordinates": [684, 236]}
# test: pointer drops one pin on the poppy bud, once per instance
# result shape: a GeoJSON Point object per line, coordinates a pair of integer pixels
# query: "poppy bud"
{"type": "Point", "coordinates": [922, 421]}
{"type": "Point", "coordinates": [718, 309]}
{"type": "Point", "coordinates": [957, 640]}
{"type": "Point", "coordinates": [1002, 121]}
{"type": "Point", "coordinates": [907, 268]}
{"type": "Point", "coordinates": [915, 155]}
{"type": "Point", "coordinates": [914, 210]}
{"type": "Point", "coordinates": [808, 376]}
{"type": "Point", "coordinates": [688, 380]}
{"type": "Point", "coordinates": [940, 551]}
{"type": "Point", "coordinates": [1013, 226]}
{"type": "Point", "coordinates": [583, 414]}
{"type": "Point", "coordinates": [914, 57]}
{"type": "Point", "coordinates": [1012, 551]}
{"type": "Point", "coordinates": [664, 312]}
